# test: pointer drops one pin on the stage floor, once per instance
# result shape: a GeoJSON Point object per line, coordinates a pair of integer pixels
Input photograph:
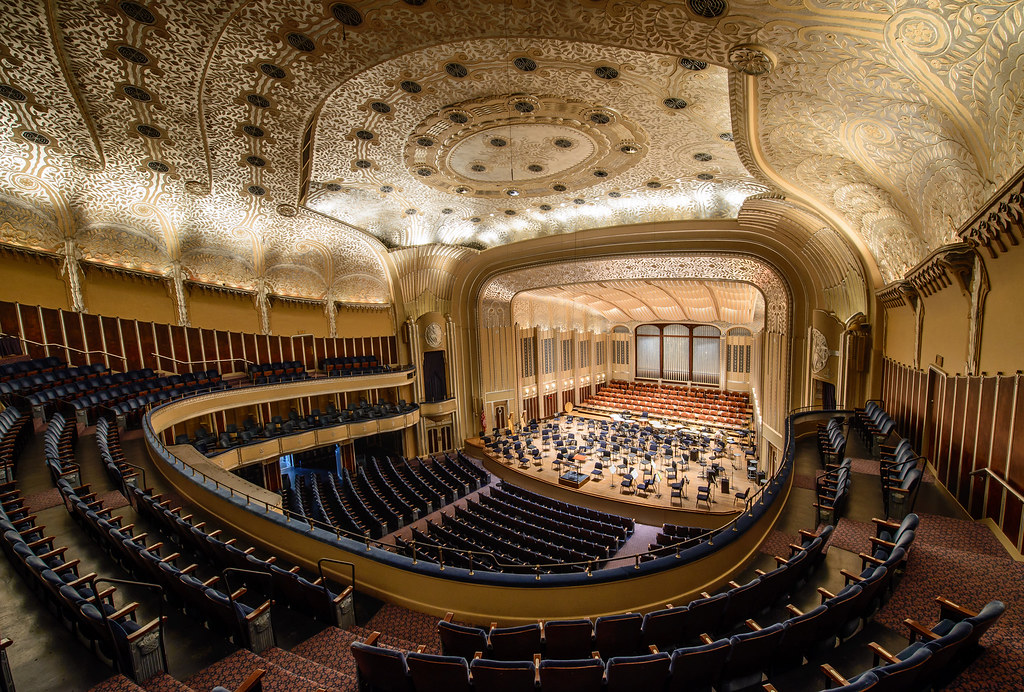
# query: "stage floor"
{"type": "Point", "coordinates": [607, 487]}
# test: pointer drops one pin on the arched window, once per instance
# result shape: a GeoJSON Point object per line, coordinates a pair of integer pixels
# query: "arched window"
{"type": "Point", "coordinates": [648, 351]}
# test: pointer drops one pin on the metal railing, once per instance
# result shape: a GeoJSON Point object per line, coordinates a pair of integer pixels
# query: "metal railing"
{"type": "Point", "coordinates": [586, 566]}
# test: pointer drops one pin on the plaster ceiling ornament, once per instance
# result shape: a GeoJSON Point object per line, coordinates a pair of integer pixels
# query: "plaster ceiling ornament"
{"type": "Point", "coordinates": [900, 119]}
{"type": "Point", "coordinates": [499, 292]}
{"type": "Point", "coordinates": [819, 351]}
{"type": "Point", "coordinates": [751, 59]}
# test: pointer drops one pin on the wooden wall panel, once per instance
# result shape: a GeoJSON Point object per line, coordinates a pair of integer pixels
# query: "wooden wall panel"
{"type": "Point", "coordinates": [112, 337]}
{"type": "Point", "coordinates": [262, 342]}
{"type": "Point", "coordinates": [225, 352]}
{"type": "Point", "coordinates": [130, 338]}
{"type": "Point", "coordinates": [92, 335]}
{"type": "Point", "coordinates": [194, 348]}
{"type": "Point", "coordinates": [944, 414]}
{"type": "Point", "coordinates": [970, 438]}
{"type": "Point", "coordinates": [237, 348]}
{"type": "Point", "coordinates": [179, 343]}
{"type": "Point", "coordinates": [1005, 396]}
{"type": "Point", "coordinates": [9, 318]}
{"type": "Point", "coordinates": [1015, 465]}
{"type": "Point", "coordinates": [147, 346]}
{"type": "Point", "coordinates": [248, 349]}
{"type": "Point", "coordinates": [32, 330]}
{"type": "Point", "coordinates": [1010, 523]}
{"type": "Point", "coordinates": [956, 433]}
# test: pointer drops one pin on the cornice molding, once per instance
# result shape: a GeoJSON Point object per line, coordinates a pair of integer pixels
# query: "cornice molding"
{"type": "Point", "coordinates": [999, 224]}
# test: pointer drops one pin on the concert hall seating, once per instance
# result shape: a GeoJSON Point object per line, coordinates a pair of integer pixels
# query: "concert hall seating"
{"type": "Point", "coordinates": [352, 365]}
{"type": "Point", "coordinates": [15, 429]}
{"type": "Point", "coordinates": [280, 371]}
{"type": "Point", "coordinates": [520, 530]}
{"type": "Point", "coordinates": [26, 368]}
{"type": "Point", "coordinates": [673, 402]}
{"type": "Point", "coordinates": [710, 642]}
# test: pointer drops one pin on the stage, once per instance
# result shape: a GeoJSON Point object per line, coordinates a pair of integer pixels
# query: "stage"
{"type": "Point", "coordinates": [604, 491]}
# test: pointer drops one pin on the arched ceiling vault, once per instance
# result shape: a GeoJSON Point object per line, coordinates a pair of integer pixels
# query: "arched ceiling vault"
{"type": "Point", "coordinates": [193, 133]}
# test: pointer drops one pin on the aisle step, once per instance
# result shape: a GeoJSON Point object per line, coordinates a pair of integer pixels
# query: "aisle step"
{"type": "Point", "coordinates": [311, 670]}
{"type": "Point", "coordinates": [118, 683]}
{"type": "Point", "coordinates": [164, 683]}
{"type": "Point", "coordinates": [331, 648]}
{"type": "Point", "coordinates": [233, 670]}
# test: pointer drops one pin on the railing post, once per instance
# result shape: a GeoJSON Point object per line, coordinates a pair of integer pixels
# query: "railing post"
{"type": "Point", "coordinates": [471, 562]}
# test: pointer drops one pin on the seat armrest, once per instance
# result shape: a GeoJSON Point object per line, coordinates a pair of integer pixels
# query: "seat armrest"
{"type": "Point", "coordinates": [371, 640]}
{"type": "Point", "coordinates": [833, 675]}
{"type": "Point", "coordinates": [124, 612]}
{"type": "Point", "coordinates": [145, 629]}
{"type": "Point", "coordinates": [919, 630]}
{"type": "Point", "coordinates": [948, 607]}
{"type": "Point", "coordinates": [259, 611]}
{"type": "Point", "coordinates": [850, 576]}
{"type": "Point", "coordinates": [881, 654]}
{"type": "Point", "coordinates": [706, 639]}
{"type": "Point", "coordinates": [793, 610]}
{"type": "Point", "coordinates": [753, 625]}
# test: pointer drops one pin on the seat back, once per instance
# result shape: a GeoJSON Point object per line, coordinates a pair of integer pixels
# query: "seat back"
{"type": "Point", "coordinates": [664, 628]}
{"type": "Point", "coordinates": [629, 673]}
{"type": "Point", "coordinates": [698, 668]}
{"type": "Point", "coordinates": [752, 653]}
{"type": "Point", "coordinates": [618, 635]}
{"type": "Point", "coordinates": [905, 675]}
{"type": "Point", "coordinates": [381, 670]}
{"type": "Point", "coordinates": [578, 675]}
{"type": "Point", "coordinates": [503, 676]}
{"type": "Point", "coordinates": [430, 672]}
{"type": "Point", "coordinates": [460, 640]}
{"type": "Point", "coordinates": [518, 643]}
{"type": "Point", "coordinates": [568, 639]}
{"type": "Point", "coordinates": [800, 636]}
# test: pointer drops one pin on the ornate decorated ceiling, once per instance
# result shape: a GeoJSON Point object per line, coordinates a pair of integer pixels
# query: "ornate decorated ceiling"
{"type": "Point", "coordinates": [282, 145]}
{"type": "Point", "coordinates": [724, 303]}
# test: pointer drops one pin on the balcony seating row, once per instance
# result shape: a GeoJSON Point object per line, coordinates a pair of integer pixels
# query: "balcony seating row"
{"type": "Point", "coordinates": [15, 429]}
{"type": "Point", "coordinates": [831, 442]}
{"type": "Point", "coordinates": [232, 436]}
{"type": "Point", "coordinates": [247, 626]}
{"type": "Point", "coordinates": [59, 443]}
{"type": "Point", "coordinates": [352, 365]}
{"type": "Point", "coordinates": [833, 491]}
{"type": "Point", "coordinates": [279, 371]}
{"type": "Point", "coordinates": [23, 385]}
{"type": "Point", "coordinates": [874, 424]}
{"type": "Point", "coordinates": [900, 474]}
{"type": "Point", "coordinates": [111, 632]}
{"type": "Point", "coordinates": [40, 391]}
{"type": "Point", "coordinates": [24, 368]}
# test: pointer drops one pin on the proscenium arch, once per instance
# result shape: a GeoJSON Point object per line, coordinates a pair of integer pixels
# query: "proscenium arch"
{"type": "Point", "coordinates": [493, 307]}
{"type": "Point", "coordinates": [497, 293]}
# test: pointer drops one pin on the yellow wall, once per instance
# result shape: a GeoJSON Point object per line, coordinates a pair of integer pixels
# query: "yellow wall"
{"type": "Point", "coordinates": [128, 297]}
{"type": "Point", "coordinates": [899, 334]}
{"type": "Point", "coordinates": [1002, 336]}
{"type": "Point", "coordinates": [288, 319]}
{"type": "Point", "coordinates": [224, 311]}
{"type": "Point", "coordinates": [353, 323]}
{"type": "Point", "coordinates": [32, 281]}
{"type": "Point", "coordinates": [944, 331]}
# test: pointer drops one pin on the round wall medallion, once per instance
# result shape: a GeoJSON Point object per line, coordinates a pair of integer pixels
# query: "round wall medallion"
{"type": "Point", "coordinates": [751, 59]}
{"type": "Point", "coordinates": [433, 335]}
{"type": "Point", "coordinates": [286, 210]}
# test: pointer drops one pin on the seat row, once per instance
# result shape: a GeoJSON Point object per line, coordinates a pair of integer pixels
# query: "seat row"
{"type": "Point", "coordinates": [934, 657]}
{"type": "Point", "coordinates": [582, 652]}
{"type": "Point", "coordinates": [352, 365]}
{"type": "Point", "coordinates": [156, 563]}
{"type": "Point", "coordinates": [23, 385]}
{"type": "Point", "coordinates": [15, 429]}
{"type": "Point", "coordinates": [59, 384]}
{"type": "Point", "coordinates": [874, 424]}
{"type": "Point", "coordinates": [831, 442]}
{"type": "Point", "coordinates": [900, 473]}
{"type": "Point", "coordinates": [279, 371]}
{"type": "Point", "coordinates": [23, 368]}
{"type": "Point", "coordinates": [112, 632]}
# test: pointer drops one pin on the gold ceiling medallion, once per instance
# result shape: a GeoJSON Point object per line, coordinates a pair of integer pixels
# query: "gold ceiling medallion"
{"type": "Point", "coordinates": [752, 59]}
{"type": "Point", "coordinates": [519, 145]}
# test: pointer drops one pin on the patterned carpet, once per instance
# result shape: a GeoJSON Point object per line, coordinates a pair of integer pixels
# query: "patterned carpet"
{"type": "Point", "coordinates": [777, 543]}
{"type": "Point", "coordinates": [37, 502]}
{"type": "Point", "coordinates": [963, 561]}
{"type": "Point", "coordinates": [870, 467]}
{"type": "Point", "coordinates": [395, 621]}
{"type": "Point", "coordinates": [233, 670]}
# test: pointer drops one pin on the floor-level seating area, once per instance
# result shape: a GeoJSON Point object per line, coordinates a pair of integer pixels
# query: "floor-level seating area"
{"type": "Point", "coordinates": [514, 530]}
{"type": "Point", "coordinates": [673, 402]}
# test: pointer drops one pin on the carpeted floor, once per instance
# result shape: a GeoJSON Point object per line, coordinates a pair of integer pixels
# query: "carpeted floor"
{"type": "Point", "coordinates": [395, 621]}
{"type": "Point", "coordinates": [963, 562]}
{"type": "Point", "coordinates": [870, 467]}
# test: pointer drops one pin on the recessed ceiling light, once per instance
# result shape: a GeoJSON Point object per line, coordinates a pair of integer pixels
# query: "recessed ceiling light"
{"type": "Point", "coordinates": [512, 192]}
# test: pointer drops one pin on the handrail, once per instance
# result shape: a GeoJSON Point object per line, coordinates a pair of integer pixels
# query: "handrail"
{"type": "Point", "coordinates": [160, 609]}
{"type": "Point", "coordinates": [323, 579]}
{"type": "Point", "coordinates": [205, 360]}
{"type": "Point", "coordinates": [992, 474]}
{"type": "Point", "coordinates": [587, 565]}
{"type": "Point", "coordinates": [63, 346]}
